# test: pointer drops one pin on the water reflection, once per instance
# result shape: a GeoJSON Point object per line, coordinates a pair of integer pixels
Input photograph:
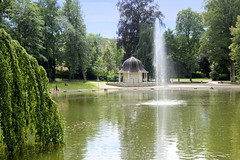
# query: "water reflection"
{"type": "Point", "coordinates": [203, 127]}
{"type": "Point", "coordinates": [109, 125]}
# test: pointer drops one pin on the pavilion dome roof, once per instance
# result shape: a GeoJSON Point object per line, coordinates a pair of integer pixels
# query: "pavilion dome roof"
{"type": "Point", "coordinates": [132, 64]}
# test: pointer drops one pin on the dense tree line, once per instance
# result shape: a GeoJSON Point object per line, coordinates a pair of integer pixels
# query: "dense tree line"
{"type": "Point", "coordinates": [56, 36]}
{"type": "Point", "coordinates": [202, 44]}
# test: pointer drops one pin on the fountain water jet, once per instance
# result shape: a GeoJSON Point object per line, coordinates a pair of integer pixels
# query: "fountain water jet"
{"type": "Point", "coordinates": [160, 60]}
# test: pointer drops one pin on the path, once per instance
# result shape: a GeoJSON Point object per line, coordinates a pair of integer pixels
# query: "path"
{"type": "Point", "coordinates": [210, 85]}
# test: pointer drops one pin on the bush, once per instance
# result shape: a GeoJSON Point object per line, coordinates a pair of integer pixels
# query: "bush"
{"type": "Point", "coordinates": [62, 74]}
{"type": "Point", "coordinates": [198, 75]}
{"type": "Point", "coordinates": [223, 77]}
{"type": "Point", "coordinates": [216, 77]}
{"type": "Point", "coordinates": [111, 77]}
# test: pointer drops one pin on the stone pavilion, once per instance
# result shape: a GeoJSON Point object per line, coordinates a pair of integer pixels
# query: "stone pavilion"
{"type": "Point", "coordinates": [133, 71]}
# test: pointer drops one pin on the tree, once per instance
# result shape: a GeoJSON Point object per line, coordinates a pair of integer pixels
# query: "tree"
{"type": "Point", "coordinates": [108, 57]}
{"type": "Point", "coordinates": [75, 35]}
{"type": "Point", "coordinates": [99, 68]}
{"type": "Point", "coordinates": [133, 13]}
{"type": "Point", "coordinates": [117, 54]}
{"type": "Point", "coordinates": [189, 27]}
{"type": "Point", "coordinates": [27, 28]}
{"type": "Point", "coordinates": [173, 53]}
{"type": "Point", "coordinates": [95, 51]}
{"type": "Point", "coordinates": [144, 49]}
{"type": "Point", "coordinates": [50, 13]}
{"type": "Point", "coordinates": [28, 115]}
{"type": "Point", "coordinates": [220, 15]}
{"type": "Point", "coordinates": [5, 6]}
{"type": "Point", "coordinates": [235, 47]}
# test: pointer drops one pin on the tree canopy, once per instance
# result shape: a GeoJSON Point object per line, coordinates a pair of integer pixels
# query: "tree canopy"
{"type": "Point", "coordinates": [189, 27]}
{"type": "Point", "coordinates": [220, 15]}
{"type": "Point", "coordinates": [133, 13]}
{"type": "Point", "coordinates": [235, 46]}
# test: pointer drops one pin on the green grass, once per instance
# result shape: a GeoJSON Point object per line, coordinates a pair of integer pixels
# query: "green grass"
{"type": "Point", "coordinates": [73, 84]}
{"type": "Point", "coordinates": [188, 80]}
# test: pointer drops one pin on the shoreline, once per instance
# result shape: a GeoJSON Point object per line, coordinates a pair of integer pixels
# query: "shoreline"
{"type": "Point", "coordinates": [175, 86]}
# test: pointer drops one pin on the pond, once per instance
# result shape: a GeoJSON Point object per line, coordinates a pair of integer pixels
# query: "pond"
{"type": "Point", "coordinates": [121, 125]}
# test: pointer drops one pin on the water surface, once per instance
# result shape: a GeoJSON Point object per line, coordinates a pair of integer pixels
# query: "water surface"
{"type": "Point", "coordinates": [118, 125]}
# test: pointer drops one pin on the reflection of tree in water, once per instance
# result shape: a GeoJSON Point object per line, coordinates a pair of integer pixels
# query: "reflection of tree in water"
{"type": "Point", "coordinates": [189, 126]}
{"type": "Point", "coordinates": [207, 127]}
{"type": "Point", "coordinates": [80, 125]}
{"type": "Point", "coordinates": [224, 117]}
{"type": "Point", "coordinates": [137, 130]}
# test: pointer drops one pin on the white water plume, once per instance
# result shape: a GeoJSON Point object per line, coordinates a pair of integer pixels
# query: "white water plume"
{"type": "Point", "coordinates": [160, 60]}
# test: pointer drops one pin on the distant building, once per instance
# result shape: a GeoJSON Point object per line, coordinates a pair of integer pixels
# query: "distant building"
{"type": "Point", "coordinates": [133, 71]}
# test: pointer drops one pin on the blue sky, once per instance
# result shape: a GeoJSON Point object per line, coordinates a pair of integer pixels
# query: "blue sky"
{"type": "Point", "coordinates": [101, 16]}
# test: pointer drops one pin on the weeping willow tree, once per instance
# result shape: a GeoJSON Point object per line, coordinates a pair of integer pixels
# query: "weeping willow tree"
{"type": "Point", "coordinates": [28, 115]}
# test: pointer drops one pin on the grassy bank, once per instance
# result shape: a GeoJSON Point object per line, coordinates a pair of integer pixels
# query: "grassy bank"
{"type": "Point", "coordinates": [73, 84]}
{"type": "Point", "coordinates": [187, 79]}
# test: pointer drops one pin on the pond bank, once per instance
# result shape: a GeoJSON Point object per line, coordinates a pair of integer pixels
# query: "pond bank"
{"type": "Point", "coordinates": [210, 85]}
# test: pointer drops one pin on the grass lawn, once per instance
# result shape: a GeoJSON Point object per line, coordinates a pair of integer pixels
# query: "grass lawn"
{"type": "Point", "coordinates": [73, 84]}
{"type": "Point", "coordinates": [187, 79]}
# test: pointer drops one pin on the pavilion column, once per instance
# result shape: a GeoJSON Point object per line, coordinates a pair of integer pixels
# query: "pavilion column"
{"type": "Point", "coordinates": [128, 77]}
{"type": "Point", "coordinates": [119, 77]}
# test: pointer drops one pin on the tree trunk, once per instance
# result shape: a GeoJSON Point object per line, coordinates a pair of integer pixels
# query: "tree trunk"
{"type": "Point", "coordinates": [83, 70]}
{"type": "Point", "coordinates": [178, 72]}
{"type": "Point", "coordinates": [232, 73]}
{"type": "Point", "coordinates": [190, 74]}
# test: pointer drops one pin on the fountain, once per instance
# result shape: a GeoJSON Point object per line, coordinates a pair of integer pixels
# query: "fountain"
{"type": "Point", "coordinates": [159, 59]}
{"type": "Point", "coordinates": [160, 71]}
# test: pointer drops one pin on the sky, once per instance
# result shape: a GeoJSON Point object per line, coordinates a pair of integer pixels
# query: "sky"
{"type": "Point", "coordinates": [101, 16]}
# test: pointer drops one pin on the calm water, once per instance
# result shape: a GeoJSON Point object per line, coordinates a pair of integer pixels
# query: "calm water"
{"type": "Point", "coordinates": [116, 125]}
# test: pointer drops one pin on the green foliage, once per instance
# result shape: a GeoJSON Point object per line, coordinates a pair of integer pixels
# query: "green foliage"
{"type": "Point", "coordinates": [27, 112]}
{"type": "Point", "coordinates": [173, 54]}
{"type": "Point", "coordinates": [4, 9]}
{"type": "Point", "coordinates": [235, 47]}
{"type": "Point", "coordinates": [118, 54]}
{"type": "Point", "coordinates": [220, 15]}
{"type": "Point", "coordinates": [144, 50]}
{"type": "Point", "coordinates": [28, 28]}
{"type": "Point", "coordinates": [111, 76]}
{"type": "Point", "coordinates": [189, 27]}
{"type": "Point", "coordinates": [95, 43]}
{"type": "Point", "coordinates": [99, 68]}
{"type": "Point", "coordinates": [199, 75]}
{"type": "Point", "coordinates": [107, 51]}
{"type": "Point", "coordinates": [133, 13]}
{"type": "Point", "coordinates": [51, 29]}
{"type": "Point", "coordinates": [74, 37]}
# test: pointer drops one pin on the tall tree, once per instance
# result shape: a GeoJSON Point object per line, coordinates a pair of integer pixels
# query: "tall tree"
{"type": "Point", "coordinates": [144, 49]}
{"type": "Point", "coordinates": [235, 47]}
{"type": "Point", "coordinates": [5, 6]}
{"type": "Point", "coordinates": [171, 42]}
{"type": "Point", "coordinates": [220, 15]}
{"type": "Point", "coordinates": [75, 35]}
{"type": "Point", "coordinates": [50, 13]}
{"type": "Point", "coordinates": [117, 54]}
{"type": "Point", "coordinates": [132, 14]}
{"type": "Point", "coordinates": [27, 26]}
{"type": "Point", "coordinates": [189, 27]}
